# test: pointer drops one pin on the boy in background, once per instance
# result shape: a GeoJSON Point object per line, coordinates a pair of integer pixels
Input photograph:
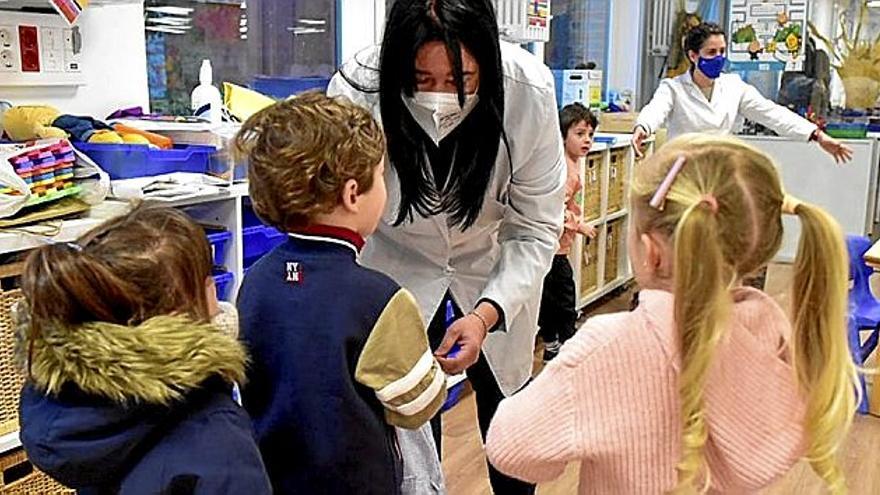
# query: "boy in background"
{"type": "Point", "coordinates": [558, 315]}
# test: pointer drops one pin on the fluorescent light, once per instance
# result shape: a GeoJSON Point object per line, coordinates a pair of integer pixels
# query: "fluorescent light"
{"type": "Point", "coordinates": [319, 22]}
{"type": "Point", "coordinates": [165, 29]}
{"type": "Point", "coordinates": [167, 9]}
{"type": "Point", "coordinates": [874, 3]}
{"type": "Point", "coordinates": [169, 21]}
{"type": "Point", "coordinates": [304, 30]}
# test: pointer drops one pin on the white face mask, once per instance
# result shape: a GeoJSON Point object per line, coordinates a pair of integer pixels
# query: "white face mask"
{"type": "Point", "coordinates": [438, 114]}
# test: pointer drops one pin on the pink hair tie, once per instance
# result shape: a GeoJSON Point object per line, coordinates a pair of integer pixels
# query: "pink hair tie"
{"type": "Point", "coordinates": [710, 200]}
{"type": "Point", "coordinates": [658, 201]}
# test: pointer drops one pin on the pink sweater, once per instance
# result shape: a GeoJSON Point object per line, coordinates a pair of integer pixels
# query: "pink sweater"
{"type": "Point", "coordinates": [610, 401]}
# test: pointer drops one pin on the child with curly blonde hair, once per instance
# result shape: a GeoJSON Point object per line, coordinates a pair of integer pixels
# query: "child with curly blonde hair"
{"type": "Point", "coordinates": [340, 352]}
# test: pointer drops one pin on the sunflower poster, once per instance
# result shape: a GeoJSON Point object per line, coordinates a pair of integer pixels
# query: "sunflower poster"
{"type": "Point", "coordinates": [767, 34]}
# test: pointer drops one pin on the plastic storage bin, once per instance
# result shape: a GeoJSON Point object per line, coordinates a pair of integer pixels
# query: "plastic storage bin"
{"type": "Point", "coordinates": [223, 282]}
{"type": "Point", "coordinates": [218, 239]}
{"type": "Point", "coordinates": [223, 162]}
{"type": "Point", "coordinates": [259, 240]}
{"type": "Point", "coordinates": [125, 161]}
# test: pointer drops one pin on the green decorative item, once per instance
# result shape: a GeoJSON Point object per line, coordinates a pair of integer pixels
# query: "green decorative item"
{"type": "Point", "coordinates": [745, 34]}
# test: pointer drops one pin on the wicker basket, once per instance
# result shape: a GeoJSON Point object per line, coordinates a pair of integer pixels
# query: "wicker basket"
{"type": "Point", "coordinates": [616, 180]}
{"type": "Point", "coordinates": [21, 478]}
{"type": "Point", "coordinates": [612, 248]}
{"type": "Point", "coordinates": [589, 267]}
{"type": "Point", "coordinates": [11, 379]}
{"type": "Point", "coordinates": [592, 186]}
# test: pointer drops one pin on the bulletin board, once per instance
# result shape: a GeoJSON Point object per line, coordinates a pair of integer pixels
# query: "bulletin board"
{"type": "Point", "coordinates": [767, 34]}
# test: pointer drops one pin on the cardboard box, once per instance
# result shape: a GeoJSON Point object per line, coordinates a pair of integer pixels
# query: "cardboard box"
{"type": "Point", "coordinates": [619, 122]}
{"type": "Point", "coordinates": [581, 86]}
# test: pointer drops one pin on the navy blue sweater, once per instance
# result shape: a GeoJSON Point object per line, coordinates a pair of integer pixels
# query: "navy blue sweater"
{"type": "Point", "coordinates": [307, 310]}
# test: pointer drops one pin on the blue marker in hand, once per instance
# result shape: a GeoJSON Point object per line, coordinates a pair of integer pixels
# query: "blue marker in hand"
{"type": "Point", "coordinates": [450, 318]}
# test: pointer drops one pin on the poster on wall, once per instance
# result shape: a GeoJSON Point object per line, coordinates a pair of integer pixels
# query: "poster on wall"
{"type": "Point", "coordinates": [538, 12]}
{"type": "Point", "coordinates": [70, 10]}
{"type": "Point", "coordinates": [767, 34]}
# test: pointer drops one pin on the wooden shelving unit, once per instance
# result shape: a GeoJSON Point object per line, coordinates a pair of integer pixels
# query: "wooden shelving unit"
{"type": "Point", "coordinates": [601, 265]}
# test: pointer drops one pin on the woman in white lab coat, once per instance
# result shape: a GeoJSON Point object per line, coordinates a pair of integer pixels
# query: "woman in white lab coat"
{"type": "Point", "coordinates": [705, 100]}
{"type": "Point", "coordinates": [475, 186]}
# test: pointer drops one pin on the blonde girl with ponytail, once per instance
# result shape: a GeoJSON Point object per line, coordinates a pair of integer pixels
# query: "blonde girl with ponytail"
{"type": "Point", "coordinates": [708, 386]}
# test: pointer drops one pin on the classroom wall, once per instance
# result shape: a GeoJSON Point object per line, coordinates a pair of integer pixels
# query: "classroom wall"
{"type": "Point", "coordinates": [114, 62]}
{"type": "Point", "coordinates": [362, 22]}
{"type": "Point", "coordinates": [625, 45]}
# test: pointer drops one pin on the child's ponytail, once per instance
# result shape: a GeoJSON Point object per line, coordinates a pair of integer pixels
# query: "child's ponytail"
{"type": "Point", "coordinates": [151, 261]}
{"type": "Point", "coordinates": [65, 286]}
{"type": "Point", "coordinates": [701, 290]}
{"type": "Point", "coordinates": [821, 353]}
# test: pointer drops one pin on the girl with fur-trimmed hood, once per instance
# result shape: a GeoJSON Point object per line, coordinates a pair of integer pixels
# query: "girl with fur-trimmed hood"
{"type": "Point", "coordinates": [128, 383]}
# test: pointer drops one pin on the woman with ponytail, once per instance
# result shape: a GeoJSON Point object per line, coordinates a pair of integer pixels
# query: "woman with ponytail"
{"type": "Point", "coordinates": [129, 375]}
{"type": "Point", "coordinates": [708, 385]}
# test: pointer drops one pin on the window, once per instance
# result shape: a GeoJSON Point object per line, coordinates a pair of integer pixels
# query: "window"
{"type": "Point", "coordinates": [578, 33]}
{"type": "Point", "coordinates": [244, 39]}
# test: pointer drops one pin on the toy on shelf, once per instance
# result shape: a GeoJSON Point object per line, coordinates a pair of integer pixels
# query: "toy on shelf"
{"type": "Point", "coordinates": [47, 171]}
{"type": "Point", "coordinates": [24, 123]}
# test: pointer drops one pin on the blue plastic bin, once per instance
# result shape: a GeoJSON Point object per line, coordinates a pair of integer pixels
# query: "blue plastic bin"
{"type": "Point", "coordinates": [282, 87]}
{"type": "Point", "coordinates": [125, 161]}
{"type": "Point", "coordinates": [218, 240]}
{"type": "Point", "coordinates": [259, 240]}
{"type": "Point", "coordinates": [248, 217]}
{"type": "Point", "coordinates": [223, 282]}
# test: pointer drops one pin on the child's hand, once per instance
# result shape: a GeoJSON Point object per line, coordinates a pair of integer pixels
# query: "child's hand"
{"type": "Point", "coordinates": [589, 231]}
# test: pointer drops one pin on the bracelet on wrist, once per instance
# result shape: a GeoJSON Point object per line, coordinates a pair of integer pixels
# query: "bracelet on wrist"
{"type": "Point", "coordinates": [482, 320]}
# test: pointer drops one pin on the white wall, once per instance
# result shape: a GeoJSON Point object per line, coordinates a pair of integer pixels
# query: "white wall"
{"type": "Point", "coordinates": [362, 24]}
{"type": "Point", "coordinates": [624, 49]}
{"type": "Point", "coordinates": [114, 63]}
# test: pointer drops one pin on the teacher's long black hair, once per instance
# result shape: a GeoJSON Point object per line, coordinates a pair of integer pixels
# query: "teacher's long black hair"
{"type": "Point", "coordinates": [456, 23]}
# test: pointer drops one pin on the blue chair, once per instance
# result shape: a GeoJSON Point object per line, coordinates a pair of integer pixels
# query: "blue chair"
{"type": "Point", "coordinates": [864, 308]}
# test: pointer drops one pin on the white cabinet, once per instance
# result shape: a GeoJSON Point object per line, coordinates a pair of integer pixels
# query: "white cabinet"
{"type": "Point", "coordinates": [601, 265]}
{"type": "Point", "coordinates": [848, 192]}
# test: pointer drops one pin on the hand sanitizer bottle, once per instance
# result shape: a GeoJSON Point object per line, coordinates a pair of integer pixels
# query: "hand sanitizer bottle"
{"type": "Point", "coordinates": [205, 94]}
